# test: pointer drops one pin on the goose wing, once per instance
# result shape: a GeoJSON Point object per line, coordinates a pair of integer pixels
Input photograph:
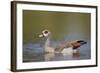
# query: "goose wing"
{"type": "Point", "coordinates": [73, 44]}
{"type": "Point", "coordinates": [63, 45]}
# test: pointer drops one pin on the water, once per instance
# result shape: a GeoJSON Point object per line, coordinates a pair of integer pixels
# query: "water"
{"type": "Point", "coordinates": [35, 53]}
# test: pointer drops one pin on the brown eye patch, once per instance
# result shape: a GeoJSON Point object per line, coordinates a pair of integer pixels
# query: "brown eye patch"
{"type": "Point", "coordinates": [45, 32]}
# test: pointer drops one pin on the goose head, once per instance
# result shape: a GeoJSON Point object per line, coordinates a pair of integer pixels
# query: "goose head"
{"type": "Point", "coordinates": [45, 33]}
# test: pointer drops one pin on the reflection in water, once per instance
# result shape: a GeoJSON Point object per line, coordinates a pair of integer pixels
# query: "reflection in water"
{"type": "Point", "coordinates": [49, 56]}
{"type": "Point", "coordinates": [60, 56]}
{"type": "Point", "coordinates": [52, 57]}
{"type": "Point", "coordinates": [76, 55]}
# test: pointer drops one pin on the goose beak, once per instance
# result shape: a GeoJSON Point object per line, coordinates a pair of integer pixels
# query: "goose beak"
{"type": "Point", "coordinates": [41, 35]}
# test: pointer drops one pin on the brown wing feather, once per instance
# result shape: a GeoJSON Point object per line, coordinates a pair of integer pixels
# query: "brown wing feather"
{"type": "Point", "coordinates": [67, 44]}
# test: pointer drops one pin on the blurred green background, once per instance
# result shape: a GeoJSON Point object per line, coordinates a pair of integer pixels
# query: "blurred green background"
{"type": "Point", "coordinates": [63, 25]}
